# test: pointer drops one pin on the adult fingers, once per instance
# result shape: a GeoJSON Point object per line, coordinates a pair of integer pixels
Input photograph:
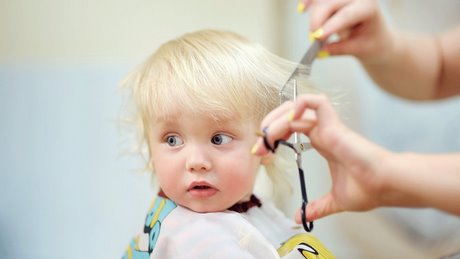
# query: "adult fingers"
{"type": "Point", "coordinates": [280, 124]}
{"type": "Point", "coordinates": [321, 208]}
{"type": "Point", "coordinates": [303, 5]}
{"type": "Point", "coordinates": [279, 111]}
{"type": "Point", "coordinates": [349, 16]}
{"type": "Point", "coordinates": [278, 128]}
{"type": "Point", "coordinates": [348, 46]}
{"type": "Point", "coordinates": [309, 110]}
{"type": "Point", "coordinates": [282, 127]}
{"type": "Point", "coordinates": [321, 12]}
{"type": "Point", "coordinates": [319, 104]}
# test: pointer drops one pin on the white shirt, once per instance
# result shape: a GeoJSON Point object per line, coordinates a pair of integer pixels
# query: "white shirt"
{"type": "Point", "coordinates": [176, 232]}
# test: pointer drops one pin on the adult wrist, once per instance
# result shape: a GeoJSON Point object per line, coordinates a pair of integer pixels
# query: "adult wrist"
{"type": "Point", "coordinates": [389, 193]}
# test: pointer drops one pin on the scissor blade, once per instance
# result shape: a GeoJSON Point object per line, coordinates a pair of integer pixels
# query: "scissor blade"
{"type": "Point", "coordinates": [304, 66]}
{"type": "Point", "coordinates": [311, 53]}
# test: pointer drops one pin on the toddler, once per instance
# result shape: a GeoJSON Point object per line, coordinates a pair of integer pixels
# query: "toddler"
{"type": "Point", "coordinates": [200, 99]}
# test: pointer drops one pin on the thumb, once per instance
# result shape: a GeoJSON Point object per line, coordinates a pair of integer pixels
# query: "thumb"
{"type": "Point", "coordinates": [320, 208]}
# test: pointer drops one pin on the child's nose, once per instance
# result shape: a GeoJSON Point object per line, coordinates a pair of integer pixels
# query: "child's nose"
{"type": "Point", "coordinates": [198, 160]}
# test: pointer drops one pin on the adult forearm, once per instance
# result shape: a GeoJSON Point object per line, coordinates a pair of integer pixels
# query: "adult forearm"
{"type": "Point", "coordinates": [418, 67]}
{"type": "Point", "coordinates": [416, 180]}
{"type": "Point", "coordinates": [409, 67]}
{"type": "Point", "coordinates": [449, 80]}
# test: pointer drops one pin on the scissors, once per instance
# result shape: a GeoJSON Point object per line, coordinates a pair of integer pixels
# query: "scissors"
{"type": "Point", "coordinates": [298, 147]}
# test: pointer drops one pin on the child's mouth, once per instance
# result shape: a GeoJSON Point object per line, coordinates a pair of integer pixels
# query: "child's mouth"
{"type": "Point", "coordinates": [201, 189]}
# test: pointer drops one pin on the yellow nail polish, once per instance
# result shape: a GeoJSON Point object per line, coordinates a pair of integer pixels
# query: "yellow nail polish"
{"type": "Point", "coordinates": [259, 133]}
{"type": "Point", "coordinates": [316, 34]}
{"type": "Point", "coordinates": [323, 54]}
{"type": "Point", "coordinates": [255, 148]}
{"type": "Point", "coordinates": [290, 115]}
{"type": "Point", "coordinates": [300, 7]}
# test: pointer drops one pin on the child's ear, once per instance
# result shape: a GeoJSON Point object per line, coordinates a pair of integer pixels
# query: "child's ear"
{"type": "Point", "coordinates": [267, 159]}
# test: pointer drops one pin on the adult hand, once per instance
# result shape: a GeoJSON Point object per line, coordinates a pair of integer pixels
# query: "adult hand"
{"type": "Point", "coordinates": [358, 23]}
{"type": "Point", "coordinates": [351, 158]}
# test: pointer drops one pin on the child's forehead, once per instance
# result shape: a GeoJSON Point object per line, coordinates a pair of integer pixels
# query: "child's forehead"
{"type": "Point", "coordinates": [207, 121]}
{"type": "Point", "coordinates": [213, 118]}
{"type": "Point", "coordinates": [219, 114]}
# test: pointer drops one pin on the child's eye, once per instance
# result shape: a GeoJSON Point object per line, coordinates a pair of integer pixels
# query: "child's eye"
{"type": "Point", "coordinates": [174, 140]}
{"type": "Point", "coordinates": [220, 139]}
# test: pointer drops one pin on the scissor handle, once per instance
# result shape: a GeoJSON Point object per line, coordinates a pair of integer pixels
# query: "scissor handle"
{"type": "Point", "coordinates": [307, 225]}
{"type": "Point", "coordinates": [298, 148]}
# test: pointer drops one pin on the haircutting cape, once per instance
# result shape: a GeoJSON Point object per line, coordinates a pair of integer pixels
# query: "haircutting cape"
{"type": "Point", "coordinates": [171, 231]}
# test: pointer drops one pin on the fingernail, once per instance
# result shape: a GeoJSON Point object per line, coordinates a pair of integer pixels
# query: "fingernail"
{"type": "Point", "coordinates": [323, 54]}
{"type": "Point", "coordinates": [300, 7]}
{"type": "Point", "coordinates": [316, 34]}
{"type": "Point", "coordinates": [255, 148]}
{"type": "Point", "coordinates": [290, 115]}
{"type": "Point", "coordinates": [259, 133]}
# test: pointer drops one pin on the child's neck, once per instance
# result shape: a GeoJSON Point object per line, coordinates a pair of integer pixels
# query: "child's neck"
{"type": "Point", "coordinates": [240, 207]}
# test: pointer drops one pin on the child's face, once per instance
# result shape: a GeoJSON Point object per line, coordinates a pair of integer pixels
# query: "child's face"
{"type": "Point", "coordinates": [204, 165]}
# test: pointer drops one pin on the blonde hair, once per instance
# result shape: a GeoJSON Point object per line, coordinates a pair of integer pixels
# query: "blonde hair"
{"type": "Point", "coordinates": [219, 73]}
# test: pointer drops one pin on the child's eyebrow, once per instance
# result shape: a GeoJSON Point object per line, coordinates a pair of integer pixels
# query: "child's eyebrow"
{"type": "Point", "coordinates": [167, 119]}
{"type": "Point", "coordinates": [165, 124]}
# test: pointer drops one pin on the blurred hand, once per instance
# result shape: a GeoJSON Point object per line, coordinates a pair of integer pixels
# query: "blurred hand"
{"type": "Point", "coordinates": [358, 23]}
